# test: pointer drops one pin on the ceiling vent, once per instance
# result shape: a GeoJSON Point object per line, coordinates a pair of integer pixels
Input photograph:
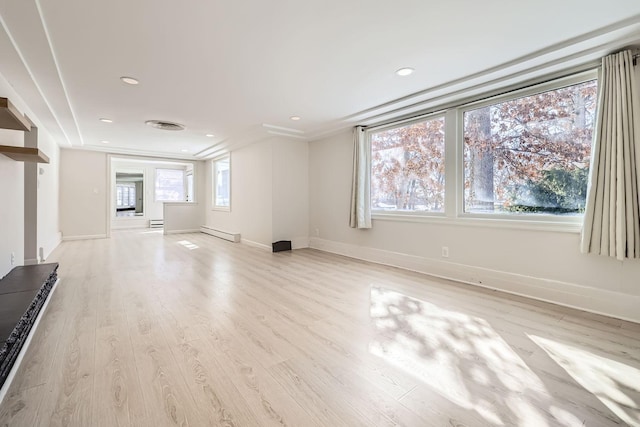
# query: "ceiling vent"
{"type": "Point", "coordinates": [164, 125]}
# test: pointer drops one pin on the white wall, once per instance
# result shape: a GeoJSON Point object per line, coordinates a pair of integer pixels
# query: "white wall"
{"type": "Point", "coordinates": [83, 194]}
{"type": "Point", "coordinates": [251, 202]}
{"type": "Point", "coordinates": [182, 217]}
{"type": "Point", "coordinates": [12, 190]}
{"type": "Point", "coordinates": [153, 209]}
{"type": "Point", "coordinates": [49, 234]}
{"type": "Point", "coordinates": [12, 206]}
{"type": "Point", "coordinates": [269, 194]}
{"type": "Point", "coordinates": [542, 264]}
{"type": "Point", "coordinates": [291, 192]}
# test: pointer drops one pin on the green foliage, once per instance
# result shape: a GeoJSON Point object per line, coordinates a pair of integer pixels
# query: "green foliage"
{"type": "Point", "coordinates": [557, 191]}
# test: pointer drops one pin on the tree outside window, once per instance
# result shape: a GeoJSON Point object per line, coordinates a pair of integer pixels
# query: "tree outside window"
{"type": "Point", "coordinates": [530, 154]}
{"type": "Point", "coordinates": [407, 167]}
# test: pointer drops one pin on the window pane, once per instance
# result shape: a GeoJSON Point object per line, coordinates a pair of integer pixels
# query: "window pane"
{"type": "Point", "coordinates": [132, 195]}
{"type": "Point", "coordinates": [531, 154]}
{"type": "Point", "coordinates": [222, 181]}
{"type": "Point", "coordinates": [407, 167]}
{"type": "Point", "coordinates": [170, 185]}
{"type": "Point", "coordinates": [125, 195]}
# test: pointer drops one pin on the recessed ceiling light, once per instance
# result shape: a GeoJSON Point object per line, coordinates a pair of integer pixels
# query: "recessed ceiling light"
{"type": "Point", "coordinates": [105, 142]}
{"type": "Point", "coordinates": [184, 150]}
{"type": "Point", "coordinates": [295, 118]}
{"type": "Point", "coordinates": [129, 80]}
{"type": "Point", "coordinates": [405, 71]}
{"type": "Point", "coordinates": [209, 135]}
{"type": "Point", "coordinates": [103, 120]}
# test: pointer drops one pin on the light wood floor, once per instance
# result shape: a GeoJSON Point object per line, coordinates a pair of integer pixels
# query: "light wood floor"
{"type": "Point", "coordinates": [152, 330]}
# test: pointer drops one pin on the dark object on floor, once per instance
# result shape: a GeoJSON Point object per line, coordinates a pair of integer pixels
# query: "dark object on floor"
{"type": "Point", "coordinates": [282, 245]}
{"type": "Point", "coordinates": [23, 292]}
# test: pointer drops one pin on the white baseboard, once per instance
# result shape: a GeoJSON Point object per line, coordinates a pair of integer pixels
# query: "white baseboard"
{"type": "Point", "coordinates": [130, 227]}
{"type": "Point", "coordinates": [256, 244]}
{"type": "Point", "coordinates": [599, 301]}
{"type": "Point", "coordinates": [87, 237]}
{"type": "Point", "coordinates": [25, 346]}
{"type": "Point", "coordinates": [300, 242]}
{"type": "Point", "coordinates": [193, 230]}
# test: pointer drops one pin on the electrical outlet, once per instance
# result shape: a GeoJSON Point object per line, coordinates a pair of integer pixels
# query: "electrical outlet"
{"type": "Point", "coordinates": [445, 252]}
{"type": "Point", "coordinates": [13, 258]}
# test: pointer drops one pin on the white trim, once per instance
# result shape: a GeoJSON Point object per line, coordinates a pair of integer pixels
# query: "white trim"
{"type": "Point", "coordinates": [256, 245]}
{"type": "Point", "coordinates": [131, 227]}
{"type": "Point", "coordinates": [214, 169]}
{"type": "Point", "coordinates": [547, 221]}
{"type": "Point", "coordinates": [300, 242]}
{"type": "Point", "coordinates": [192, 230]}
{"type": "Point", "coordinates": [520, 223]}
{"type": "Point", "coordinates": [25, 64]}
{"type": "Point", "coordinates": [56, 63]}
{"type": "Point", "coordinates": [454, 167]}
{"type": "Point", "coordinates": [599, 301]}
{"type": "Point", "coordinates": [431, 217]}
{"type": "Point", "coordinates": [86, 237]}
{"type": "Point", "coordinates": [529, 90]}
{"type": "Point", "coordinates": [25, 346]}
{"type": "Point", "coordinates": [231, 236]}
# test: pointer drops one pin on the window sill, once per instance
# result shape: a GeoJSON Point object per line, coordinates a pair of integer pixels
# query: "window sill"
{"type": "Point", "coordinates": [438, 218]}
{"type": "Point", "coordinates": [221, 209]}
{"type": "Point", "coordinates": [569, 225]}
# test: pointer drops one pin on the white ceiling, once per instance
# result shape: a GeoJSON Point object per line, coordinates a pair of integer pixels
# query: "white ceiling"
{"type": "Point", "coordinates": [240, 69]}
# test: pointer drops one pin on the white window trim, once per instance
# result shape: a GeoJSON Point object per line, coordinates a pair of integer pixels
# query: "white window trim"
{"type": "Point", "coordinates": [454, 169]}
{"type": "Point", "coordinates": [571, 223]}
{"type": "Point", "coordinates": [215, 207]}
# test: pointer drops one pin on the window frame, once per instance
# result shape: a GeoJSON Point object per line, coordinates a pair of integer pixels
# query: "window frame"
{"type": "Point", "coordinates": [454, 162]}
{"type": "Point", "coordinates": [214, 182]}
{"type": "Point", "coordinates": [570, 223]}
{"type": "Point", "coordinates": [408, 215]}
{"type": "Point", "coordinates": [155, 182]}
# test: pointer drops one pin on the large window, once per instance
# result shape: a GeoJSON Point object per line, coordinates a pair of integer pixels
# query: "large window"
{"type": "Point", "coordinates": [407, 167]}
{"type": "Point", "coordinates": [522, 155]}
{"type": "Point", "coordinates": [222, 183]}
{"type": "Point", "coordinates": [530, 154]}
{"type": "Point", "coordinates": [170, 185]}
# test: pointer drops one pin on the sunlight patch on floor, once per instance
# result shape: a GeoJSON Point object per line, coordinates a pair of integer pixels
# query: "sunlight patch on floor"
{"type": "Point", "coordinates": [187, 244]}
{"type": "Point", "coordinates": [615, 384]}
{"type": "Point", "coordinates": [160, 231]}
{"type": "Point", "coordinates": [455, 354]}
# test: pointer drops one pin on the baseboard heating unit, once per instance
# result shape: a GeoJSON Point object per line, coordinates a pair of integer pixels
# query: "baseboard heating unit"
{"type": "Point", "coordinates": [156, 223]}
{"type": "Point", "coordinates": [226, 235]}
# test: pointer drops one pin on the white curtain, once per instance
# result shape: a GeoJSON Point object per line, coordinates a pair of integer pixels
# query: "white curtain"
{"type": "Point", "coordinates": [612, 220]}
{"type": "Point", "coordinates": [361, 183]}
